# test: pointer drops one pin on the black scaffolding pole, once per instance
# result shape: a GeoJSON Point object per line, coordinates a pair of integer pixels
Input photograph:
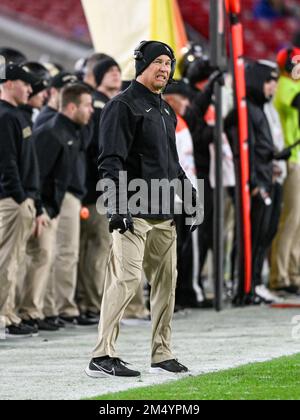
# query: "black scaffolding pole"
{"type": "Point", "coordinates": [219, 61]}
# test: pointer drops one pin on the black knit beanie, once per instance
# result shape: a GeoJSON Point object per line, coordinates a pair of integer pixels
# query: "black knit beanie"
{"type": "Point", "coordinates": [150, 52]}
{"type": "Point", "coordinates": [102, 68]}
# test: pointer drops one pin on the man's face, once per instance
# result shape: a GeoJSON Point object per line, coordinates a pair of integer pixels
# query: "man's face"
{"type": "Point", "coordinates": [270, 89]}
{"type": "Point", "coordinates": [112, 79]}
{"type": "Point", "coordinates": [20, 91]}
{"type": "Point", "coordinates": [155, 77]}
{"type": "Point", "coordinates": [38, 101]}
{"type": "Point", "coordinates": [84, 110]}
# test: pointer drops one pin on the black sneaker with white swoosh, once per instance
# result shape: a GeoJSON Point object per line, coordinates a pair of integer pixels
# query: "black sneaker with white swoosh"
{"type": "Point", "coordinates": [168, 366]}
{"type": "Point", "coordinates": [102, 367]}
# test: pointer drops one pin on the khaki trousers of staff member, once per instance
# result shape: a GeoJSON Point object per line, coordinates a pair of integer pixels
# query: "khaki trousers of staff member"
{"type": "Point", "coordinates": [95, 244]}
{"type": "Point", "coordinates": [60, 296]}
{"type": "Point", "coordinates": [152, 247]}
{"type": "Point", "coordinates": [285, 262]}
{"type": "Point", "coordinates": [137, 307]}
{"type": "Point", "coordinates": [16, 226]}
{"type": "Point", "coordinates": [40, 252]}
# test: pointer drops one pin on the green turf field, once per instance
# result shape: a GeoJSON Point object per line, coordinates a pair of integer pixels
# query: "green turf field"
{"type": "Point", "coordinates": [278, 379]}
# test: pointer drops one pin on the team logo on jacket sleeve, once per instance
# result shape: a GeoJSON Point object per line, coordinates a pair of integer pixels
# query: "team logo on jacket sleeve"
{"type": "Point", "coordinates": [26, 132]}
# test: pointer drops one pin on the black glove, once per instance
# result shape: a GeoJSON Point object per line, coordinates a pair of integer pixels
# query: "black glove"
{"type": "Point", "coordinates": [122, 223]}
{"type": "Point", "coordinates": [285, 154]}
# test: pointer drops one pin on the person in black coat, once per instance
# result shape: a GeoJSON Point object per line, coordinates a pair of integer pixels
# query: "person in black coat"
{"type": "Point", "coordinates": [20, 202]}
{"type": "Point", "coordinates": [261, 83]}
{"type": "Point", "coordinates": [58, 145]}
{"type": "Point", "coordinates": [137, 145]}
{"type": "Point", "coordinates": [95, 240]}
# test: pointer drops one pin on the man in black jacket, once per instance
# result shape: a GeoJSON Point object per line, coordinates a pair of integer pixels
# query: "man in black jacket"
{"type": "Point", "coordinates": [95, 240]}
{"type": "Point", "coordinates": [58, 146]}
{"type": "Point", "coordinates": [56, 84]}
{"type": "Point", "coordinates": [137, 135]}
{"type": "Point", "coordinates": [19, 190]}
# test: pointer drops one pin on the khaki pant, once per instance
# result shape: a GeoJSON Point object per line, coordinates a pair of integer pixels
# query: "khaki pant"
{"type": "Point", "coordinates": [285, 261]}
{"type": "Point", "coordinates": [152, 247]}
{"type": "Point", "coordinates": [60, 294]}
{"type": "Point", "coordinates": [136, 309]}
{"type": "Point", "coordinates": [16, 226]}
{"type": "Point", "coordinates": [40, 252]}
{"type": "Point", "coordinates": [95, 244]}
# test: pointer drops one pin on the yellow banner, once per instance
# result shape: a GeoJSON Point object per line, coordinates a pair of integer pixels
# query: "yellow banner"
{"type": "Point", "coordinates": [118, 26]}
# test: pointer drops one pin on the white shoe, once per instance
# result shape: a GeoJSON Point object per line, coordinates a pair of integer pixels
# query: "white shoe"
{"type": "Point", "coordinates": [266, 295]}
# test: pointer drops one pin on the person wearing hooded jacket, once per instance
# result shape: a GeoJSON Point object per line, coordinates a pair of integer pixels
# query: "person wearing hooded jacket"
{"type": "Point", "coordinates": [261, 83]}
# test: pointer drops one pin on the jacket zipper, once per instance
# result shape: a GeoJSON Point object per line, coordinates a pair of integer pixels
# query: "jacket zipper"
{"type": "Point", "coordinates": [166, 132]}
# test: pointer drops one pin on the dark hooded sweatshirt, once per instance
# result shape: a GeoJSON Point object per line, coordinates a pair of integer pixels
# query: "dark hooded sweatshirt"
{"type": "Point", "coordinates": [261, 146]}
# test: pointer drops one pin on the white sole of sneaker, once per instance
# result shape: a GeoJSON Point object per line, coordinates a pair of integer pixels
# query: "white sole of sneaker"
{"type": "Point", "coordinates": [161, 371]}
{"type": "Point", "coordinates": [97, 374]}
{"type": "Point", "coordinates": [16, 337]}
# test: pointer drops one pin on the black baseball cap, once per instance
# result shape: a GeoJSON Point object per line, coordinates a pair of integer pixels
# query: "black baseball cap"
{"type": "Point", "coordinates": [12, 56]}
{"type": "Point", "coordinates": [62, 79]}
{"type": "Point", "coordinates": [180, 87]}
{"type": "Point", "coordinates": [19, 72]}
{"type": "Point", "coordinates": [41, 73]}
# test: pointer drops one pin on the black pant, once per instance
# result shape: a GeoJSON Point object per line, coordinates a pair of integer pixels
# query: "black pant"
{"type": "Point", "coordinates": [205, 230]}
{"type": "Point", "coordinates": [185, 293]}
{"type": "Point", "coordinates": [265, 221]}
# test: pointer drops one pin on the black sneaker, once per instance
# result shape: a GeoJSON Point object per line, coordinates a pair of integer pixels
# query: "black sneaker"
{"type": "Point", "coordinates": [102, 367]}
{"type": "Point", "coordinates": [171, 366]}
{"type": "Point", "coordinates": [84, 321]}
{"type": "Point", "coordinates": [40, 325]}
{"type": "Point", "coordinates": [69, 321]}
{"type": "Point", "coordinates": [290, 290]}
{"type": "Point", "coordinates": [43, 325]}
{"type": "Point", "coordinates": [55, 321]}
{"type": "Point", "coordinates": [92, 315]}
{"type": "Point", "coordinates": [20, 331]}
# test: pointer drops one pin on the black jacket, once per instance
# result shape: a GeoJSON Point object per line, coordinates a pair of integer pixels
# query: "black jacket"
{"type": "Point", "coordinates": [137, 135]}
{"type": "Point", "coordinates": [27, 111]}
{"type": "Point", "coordinates": [19, 173]}
{"type": "Point", "coordinates": [44, 116]}
{"type": "Point", "coordinates": [58, 144]}
{"type": "Point", "coordinates": [202, 133]}
{"type": "Point", "coordinates": [92, 153]}
{"type": "Point", "coordinates": [78, 180]}
{"type": "Point", "coordinates": [261, 146]}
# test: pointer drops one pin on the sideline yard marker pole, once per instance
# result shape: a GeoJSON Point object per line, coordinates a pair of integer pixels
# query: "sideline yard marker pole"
{"type": "Point", "coordinates": [243, 190]}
